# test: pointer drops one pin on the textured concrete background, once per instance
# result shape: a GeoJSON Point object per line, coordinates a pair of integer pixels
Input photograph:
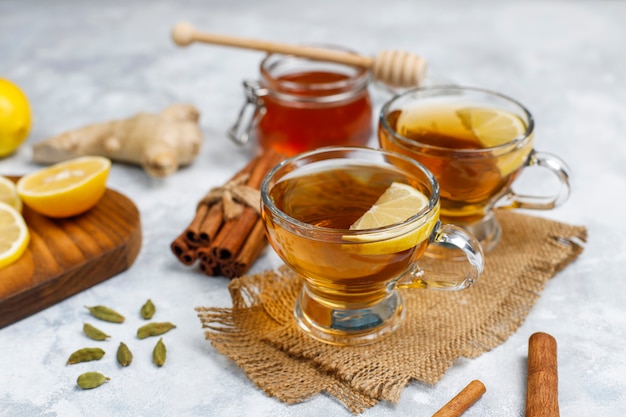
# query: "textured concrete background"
{"type": "Point", "coordinates": [81, 62]}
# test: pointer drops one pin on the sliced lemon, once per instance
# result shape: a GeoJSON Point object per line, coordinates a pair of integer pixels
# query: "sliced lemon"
{"type": "Point", "coordinates": [14, 236]}
{"type": "Point", "coordinates": [398, 203]}
{"type": "Point", "coordinates": [66, 189]}
{"type": "Point", "coordinates": [8, 193]}
{"type": "Point", "coordinates": [492, 127]}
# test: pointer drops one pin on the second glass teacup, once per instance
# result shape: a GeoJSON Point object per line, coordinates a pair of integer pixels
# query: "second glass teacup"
{"type": "Point", "coordinates": [476, 142]}
{"type": "Point", "coordinates": [352, 222]}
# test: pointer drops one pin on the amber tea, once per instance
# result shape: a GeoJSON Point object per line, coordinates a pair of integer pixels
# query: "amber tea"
{"type": "Point", "coordinates": [334, 199]}
{"type": "Point", "coordinates": [437, 136]}
{"type": "Point", "coordinates": [352, 222]}
{"type": "Point", "coordinates": [476, 143]}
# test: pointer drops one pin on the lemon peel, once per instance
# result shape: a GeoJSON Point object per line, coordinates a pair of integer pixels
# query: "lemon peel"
{"type": "Point", "coordinates": [8, 194]}
{"type": "Point", "coordinates": [15, 117]}
{"type": "Point", "coordinates": [398, 203]}
{"type": "Point", "coordinates": [14, 235]}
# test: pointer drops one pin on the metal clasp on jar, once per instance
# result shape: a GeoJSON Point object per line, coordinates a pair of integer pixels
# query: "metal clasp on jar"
{"type": "Point", "coordinates": [251, 112]}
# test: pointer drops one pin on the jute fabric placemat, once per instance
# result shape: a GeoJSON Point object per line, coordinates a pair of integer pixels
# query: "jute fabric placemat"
{"type": "Point", "coordinates": [260, 334]}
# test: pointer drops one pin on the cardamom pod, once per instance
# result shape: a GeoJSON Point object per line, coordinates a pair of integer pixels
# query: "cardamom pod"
{"type": "Point", "coordinates": [106, 314]}
{"type": "Point", "coordinates": [85, 355]}
{"type": "Point", "coordinates": [148, 310]}
{"type": "Point", "coordinates": [124, 355]}
{"type": "Point", "coordinates": [159, 353]}
{"type": "Point", "coordinates": [90, 380]}
{"type": "Point", "coordinates": [154, 329]}
{"type": "Point", "coordinates": [94, 333]}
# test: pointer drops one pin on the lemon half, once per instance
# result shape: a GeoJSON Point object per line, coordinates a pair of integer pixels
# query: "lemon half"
{"type": "Point", "coordinates": [66, 189]}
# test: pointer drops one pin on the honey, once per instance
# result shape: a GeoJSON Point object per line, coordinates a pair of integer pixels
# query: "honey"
{"type": "Point", "coordinates": [300, 105]}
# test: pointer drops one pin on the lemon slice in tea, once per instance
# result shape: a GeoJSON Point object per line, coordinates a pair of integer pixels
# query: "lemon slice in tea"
{"type": "Point", "coordinates": [398, 203]}
{"type": "Point", "coordinates": [492, 127]}
{"type": "Point", "coordinates": [8, 194]}
{"type": "Point", "coordinates": [14, 235]}
{"type": "Point", "coordinates": [66, 189]}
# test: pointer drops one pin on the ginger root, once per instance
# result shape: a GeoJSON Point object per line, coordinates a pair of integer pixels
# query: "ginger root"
{"type": "Point", "coordinates": [160, 143]}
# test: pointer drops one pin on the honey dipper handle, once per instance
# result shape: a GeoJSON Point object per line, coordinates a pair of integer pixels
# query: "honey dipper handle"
{"type": "Point", "coordinates": [542, 386]}
{"type": "Point", "coordinates": [184, 34]}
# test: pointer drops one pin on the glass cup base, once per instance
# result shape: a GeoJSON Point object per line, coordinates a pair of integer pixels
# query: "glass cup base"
{"type": "Point", "coordinates": [348, 326]}
{"type": "Point", "coordinates": [487, 232]}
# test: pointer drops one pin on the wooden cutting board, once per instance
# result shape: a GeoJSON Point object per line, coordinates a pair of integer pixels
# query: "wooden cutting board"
{"type": "Point", "coordinates": [66, 256]}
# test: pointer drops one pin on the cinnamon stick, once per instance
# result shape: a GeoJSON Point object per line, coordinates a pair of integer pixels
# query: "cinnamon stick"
{"type": "Point", "coordinates": [204, 253]}
{"type": "Point", "coordinates": [223, 244]}
{"type": "Point", "coordinates": [192, 234]}
{"type": "Point", "coordinates": [232, 236]}
{"type": "Point", "coordinates": [211, 224]}
{"type": "Point", "coordinates": [463, 400]}
{"type": "Point", "coordinates": [542, 398]}
{"type": "Point", "coordinates": [207, 220]}
{"type": "Point", "coordinates": [210, 267]}
{"type": "Point", "coordinates": [234, 233]}
{"type": "Point", "coordinates": [250, 251]}
{"type": "Point", "coordinates": [185, 252]}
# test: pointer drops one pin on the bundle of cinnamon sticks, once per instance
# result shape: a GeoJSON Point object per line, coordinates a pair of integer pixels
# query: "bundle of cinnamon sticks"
{"type": "Point", "coordinates": [227, 234]}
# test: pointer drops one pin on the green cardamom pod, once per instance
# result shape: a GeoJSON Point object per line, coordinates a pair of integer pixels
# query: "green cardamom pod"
{"type": "Point", "coordinates": [90, 380]}
{"type": "Point", "coordinates": [154, 329]}
{"type": "Point", "coordinates": [159, 353]}
{"type": "Point", "coordinates": [106, 314]}
{"type": "Point", "coordinates": [85, 355]}
{"type": "Point", "coordinates": [94, 333]}
{"type": "Point", "coordinates": [124, 355]}
{"type": "Point", "coordinates": [148, 310]}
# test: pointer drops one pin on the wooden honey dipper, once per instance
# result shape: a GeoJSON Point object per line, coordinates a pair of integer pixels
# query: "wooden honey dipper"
{"type": "Point", "coordinates": [396, 68]}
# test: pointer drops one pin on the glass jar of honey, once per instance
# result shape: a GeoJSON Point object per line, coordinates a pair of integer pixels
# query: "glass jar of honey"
{"type": "Point", "coordinates": [301, 104]}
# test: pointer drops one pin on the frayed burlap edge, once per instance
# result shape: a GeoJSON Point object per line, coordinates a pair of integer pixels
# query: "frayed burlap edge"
{"type": "Point", "coordinates": [260, 334]}
{"type": "Point", "coordinates": [237, 332]}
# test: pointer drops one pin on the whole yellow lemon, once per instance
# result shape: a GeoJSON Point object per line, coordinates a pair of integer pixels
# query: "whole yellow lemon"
{"type": "Point", "coordinates": [15, 117]}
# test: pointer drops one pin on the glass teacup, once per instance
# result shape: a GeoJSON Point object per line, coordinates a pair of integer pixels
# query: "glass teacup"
{"type": "Point", "coordinates": [318, 207]}
{"type": "Point", "coordinates": [476, 142]}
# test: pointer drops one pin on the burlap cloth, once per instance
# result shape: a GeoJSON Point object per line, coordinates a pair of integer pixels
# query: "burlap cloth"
{"type": "Point", "coordinates": [259, 332]}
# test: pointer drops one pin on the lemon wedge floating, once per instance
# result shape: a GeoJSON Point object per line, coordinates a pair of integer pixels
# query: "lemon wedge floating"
{"type": "Point", "coordinates": [8, 194]}
{"type": "Point", "coordinates": [14, 235]}
{"type": "Point", "coordinates": [398, 203]}
{"type": "Point", "coordinates": [65, 189]}
{"type": "Point", "coordinates": [492, 127]}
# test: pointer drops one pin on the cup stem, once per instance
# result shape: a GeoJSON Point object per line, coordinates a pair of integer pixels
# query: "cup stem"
{"type": "Point", "coordinates": [348, 325]}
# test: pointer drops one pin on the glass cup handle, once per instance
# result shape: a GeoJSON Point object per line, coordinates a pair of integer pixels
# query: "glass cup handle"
{"type": "Point", "coordinates": [555, 165]}
{"type": "Point", "coordinates": [250, 113]}
{"type": "Point", "coordinates": [451, 237]}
